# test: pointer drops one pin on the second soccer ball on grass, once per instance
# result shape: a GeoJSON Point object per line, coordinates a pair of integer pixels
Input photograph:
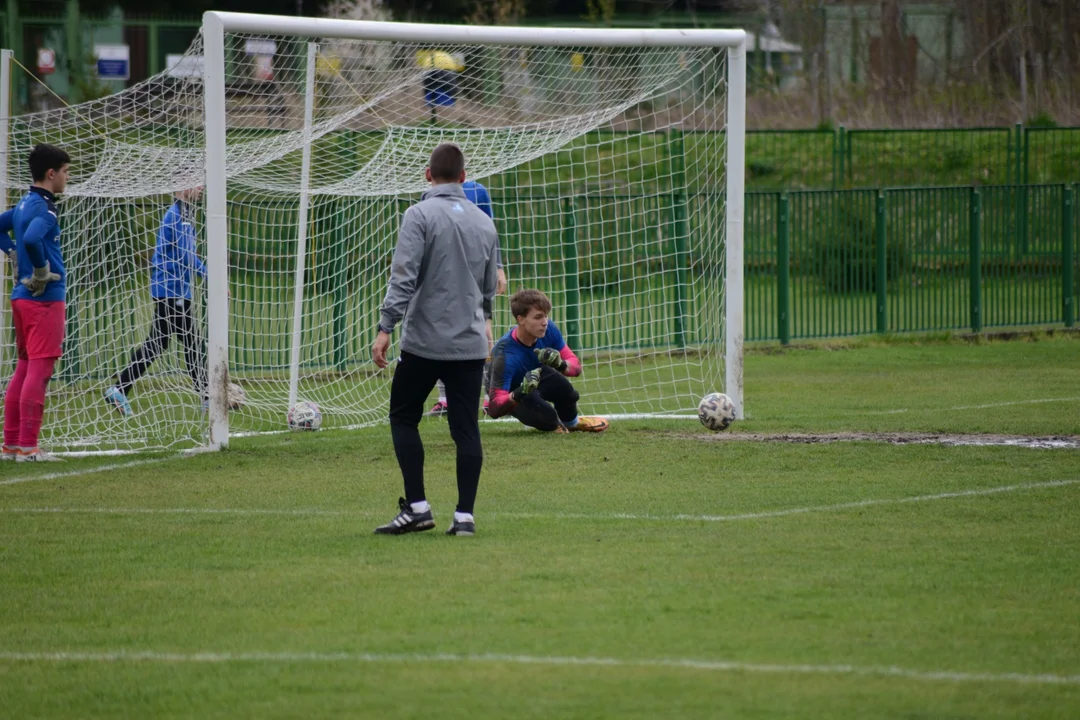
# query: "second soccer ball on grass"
{"type": "Point", "coordinates": [305, 415]}
{"type": "Point", "coordinates": [237, 396]}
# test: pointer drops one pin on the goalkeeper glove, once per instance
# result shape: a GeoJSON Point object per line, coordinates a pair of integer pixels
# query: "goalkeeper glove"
{"type": "Point", "coordinates": [37, 282]}
{"type": "Point", "coordinates": [528, 384]}
{"type": "Point", "coordinates": [551, 358]}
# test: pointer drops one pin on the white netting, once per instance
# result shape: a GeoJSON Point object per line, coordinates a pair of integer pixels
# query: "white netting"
{"type": "Point", "coordinates": [606, 168]}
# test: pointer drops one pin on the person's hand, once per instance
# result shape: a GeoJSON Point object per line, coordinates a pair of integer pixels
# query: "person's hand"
{"type": "Point", "coordinates": [37, 282]}
{"type": "Point", "coordinates": [551, 358]}
{"type": "Point", "coordinates": [500, 287]}
{"type": "Point", "coordinates": [379, 348]}
{"type": "Point", "coordinates": [529, 383]}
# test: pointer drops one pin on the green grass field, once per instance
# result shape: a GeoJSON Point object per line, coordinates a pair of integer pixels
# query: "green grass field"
{"type": "Point", "coordinates": [648, 572]}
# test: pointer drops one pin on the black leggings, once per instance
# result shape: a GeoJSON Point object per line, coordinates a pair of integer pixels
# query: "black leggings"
{"type": "Point", "coordinates": [172, 316]}
{"type": "Point", "coordinates": [414, 377]}
{"type": "Point", "coordinates": [554, 400]}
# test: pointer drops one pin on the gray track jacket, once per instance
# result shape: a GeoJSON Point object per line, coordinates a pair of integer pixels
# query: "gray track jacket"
{"type": "Point", "coordinates": [443, 278]}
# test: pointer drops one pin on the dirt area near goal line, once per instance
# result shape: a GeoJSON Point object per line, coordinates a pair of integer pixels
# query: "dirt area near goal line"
{"type": "Point", "coordinates": [1051, 442]}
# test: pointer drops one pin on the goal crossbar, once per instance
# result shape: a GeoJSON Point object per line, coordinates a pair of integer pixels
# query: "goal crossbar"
{"type": "Point", "coordinates": [465, 34]}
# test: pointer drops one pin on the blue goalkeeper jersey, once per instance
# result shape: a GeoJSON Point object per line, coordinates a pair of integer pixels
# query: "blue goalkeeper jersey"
{"type": "Point", "coordinates": [175, 257]}
{"type": "Point", "coordinates": [37, 241]}
{"type": "Point", "coordinates": [6, 243]}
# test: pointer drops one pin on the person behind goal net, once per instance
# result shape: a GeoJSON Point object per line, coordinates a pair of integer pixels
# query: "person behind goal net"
{"type": "Point", "coordinates": [529, 370]}
{"type": "Point", "coordinates": [175, 261]}
{"type": "Point", "coordinates": [38, 302]}
{"type": "Point", "coordinates": [478, 196]}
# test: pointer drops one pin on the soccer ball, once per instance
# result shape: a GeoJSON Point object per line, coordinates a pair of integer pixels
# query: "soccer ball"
{"type": "Point", "coordinates": [237, 396]}
{"type": "Point", "coordinates": [716, 411]}
{"type": "Point", "coordinates": [305, 415]}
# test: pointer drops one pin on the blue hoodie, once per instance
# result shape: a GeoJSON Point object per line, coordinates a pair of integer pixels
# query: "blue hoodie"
{"type": "Point", "coordinates": [478, 196]}
{"type": "Point", "coordinates": [175, 257]}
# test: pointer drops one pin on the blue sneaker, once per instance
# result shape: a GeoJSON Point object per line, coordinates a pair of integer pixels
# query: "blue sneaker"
{"type": "Point", "coordinates": [118, 400]}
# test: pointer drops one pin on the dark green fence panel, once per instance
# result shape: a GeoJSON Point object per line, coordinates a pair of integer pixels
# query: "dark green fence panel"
{"type": "Point", "coordinates": [1022, 255]}
{"type": "Point", "coordinates": [262, 263]}
{"type": "Point", "coordinates": [882, 158]}
{"type": "Point", "coordinates": [1071, 256]}
{"type": "Point", "coordinates": [1051, 155]}
{"type": "Point", "coordinates": [628, 272]}
{"type": "Point", "coordinates": [928, 236]}
{"type": "Point", "coordinates": [832, 243]}
{"type": "Point", "coordinates": [761, 231]}
{"type": "Point", "coordinates": [791, 159]}
{"type": "Point", "coordinates": [102, 242]}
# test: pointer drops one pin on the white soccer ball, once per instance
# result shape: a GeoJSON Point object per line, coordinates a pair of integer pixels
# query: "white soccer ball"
{"type": "Point", "coordinates": [237, 397]}
{"type": "Point", "coordinates": [305, 415]}
{"type": "Point", "coordinates": [716, 411]}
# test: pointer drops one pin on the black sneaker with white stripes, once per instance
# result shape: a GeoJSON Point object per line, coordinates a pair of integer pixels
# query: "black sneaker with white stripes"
{"type": "Point", "coordinates": [407, 521]}
{"type": "Point", "coordinates": [465, 529]}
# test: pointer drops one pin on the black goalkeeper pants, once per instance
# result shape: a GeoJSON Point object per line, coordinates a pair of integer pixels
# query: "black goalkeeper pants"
{"type": "Point", "coordinates": [172, 317]}
{"type": "Point", "coordinates": [554, 400]}
{"type": "Point", "coordinates": [414, 377]}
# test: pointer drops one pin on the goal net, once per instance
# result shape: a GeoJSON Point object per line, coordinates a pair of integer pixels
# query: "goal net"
{"type": "Point", "coordinates": [613, 165]}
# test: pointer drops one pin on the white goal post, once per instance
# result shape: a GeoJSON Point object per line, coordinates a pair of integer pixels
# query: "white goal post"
{"type": "Point", "coordinates": [613, 166]}
{"type": "Point", "coordinates": [217, 26]}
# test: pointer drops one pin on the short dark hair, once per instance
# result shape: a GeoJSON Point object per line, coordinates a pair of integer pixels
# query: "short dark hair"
{"type": "Point", "coordinates": [44, 158]}
{"type": "Point", "coordinates": [447, 163]}
{"type": "Point", "coordinates": [527, 299]}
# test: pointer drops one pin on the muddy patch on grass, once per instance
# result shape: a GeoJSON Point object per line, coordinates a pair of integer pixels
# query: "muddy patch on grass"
{"type": "Point", "coordinates": [1050, 442]}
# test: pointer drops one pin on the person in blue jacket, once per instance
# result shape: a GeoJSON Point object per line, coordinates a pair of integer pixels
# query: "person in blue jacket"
{"type": "Point", "coordinates": [173, 267]}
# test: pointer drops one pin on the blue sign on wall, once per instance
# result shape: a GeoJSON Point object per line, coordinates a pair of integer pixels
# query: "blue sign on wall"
{"type": "Point", "coordinates": [113, 62]}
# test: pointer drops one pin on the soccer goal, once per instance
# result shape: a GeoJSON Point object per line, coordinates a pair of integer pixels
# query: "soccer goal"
{"type": "Point", "coordinates": [614, 160]}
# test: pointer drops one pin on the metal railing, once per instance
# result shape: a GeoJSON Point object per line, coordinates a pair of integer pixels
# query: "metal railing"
{"type": "Point", "coordinates": [853, 262]}
{"type": "Point", "coordinates": [827, 159]}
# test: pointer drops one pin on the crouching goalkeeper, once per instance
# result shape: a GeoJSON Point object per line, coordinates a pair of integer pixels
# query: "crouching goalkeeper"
{"type": "Point", "coordinates": [529, 370]}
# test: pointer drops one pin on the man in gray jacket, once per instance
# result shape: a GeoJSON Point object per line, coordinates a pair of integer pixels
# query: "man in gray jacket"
{"type": "Point", "coordinates": [442, 283]}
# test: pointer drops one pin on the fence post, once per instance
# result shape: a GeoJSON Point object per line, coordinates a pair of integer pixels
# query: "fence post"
{"type": "Point", "coordinates": [680, 229]}
{"type": "Point", "coordinates": [975, 261]}
{"type": "Point", "coordinates": [570, 260]}
{"type": "Point", "coordinates": [783, 271]}
{"type": "Point", "coordinates": [153, 31]}
{"type": "Point", "coordinates": [1067, 210]}
{"type": "Point", "coordinates": [345, 213]}
{"type": "Point", "coordinates": [1021, 157]}
{"type": "Point", "coordinates": [73, 48]}
{"type": "Point", "coordinates": [339, 270]}
{"type": "Point", "coordinates": [882, 266]}
{"type": "Point", "coordinates": [838, 174]}
{"type": "Point", "coordinates": [1020, 236]}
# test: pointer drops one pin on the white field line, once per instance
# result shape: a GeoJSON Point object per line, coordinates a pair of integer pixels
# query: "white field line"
{"type": "Point", "coordinates": [302, 512]}
{"type": "Point", "coordinates": [969, 407]}
{"type": "Point", "coordinates": [84, 471]}
{"type": "Point", "coordinates": [886, 671]}
{"type": "Point", "coordinates": [804, 510]}
{"type": "Point", "coordinates": [298, 512]}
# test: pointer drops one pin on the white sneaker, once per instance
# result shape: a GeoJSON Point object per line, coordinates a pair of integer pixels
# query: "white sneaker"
{"type": "Point", "coordinates": [8, 453]}
{"type": "Point", "coordinates": [37, 455]}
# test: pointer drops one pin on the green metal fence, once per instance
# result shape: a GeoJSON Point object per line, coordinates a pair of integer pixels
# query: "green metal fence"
{"type": "Point", "coordinates": [852, 262]}
{"type": "Point", "coordinates": [631, 272]}
{"type": "Point", "coordinates": [814, 159]}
